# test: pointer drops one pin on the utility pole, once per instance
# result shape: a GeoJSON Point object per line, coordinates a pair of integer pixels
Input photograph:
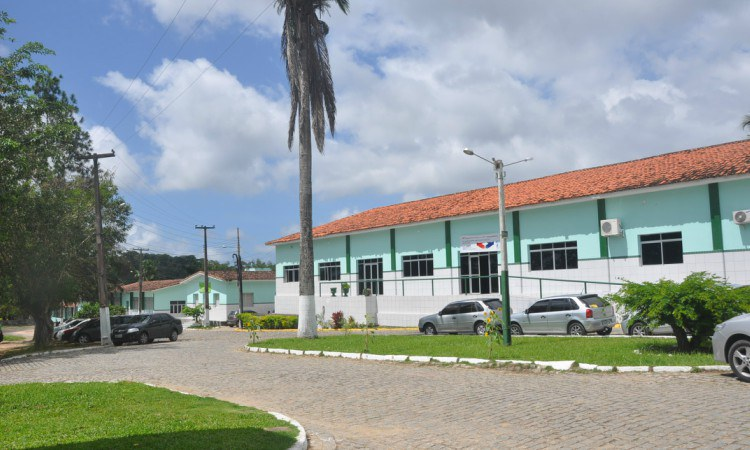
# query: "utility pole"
{"type": "Point", "coordinates": [100, 274]}
{"type": "Point", "coordinates": [140, 278]}
{"type": "Point", "coordinates": [239, 270]}
{"type": "Point", "coordinates": [206, 322]}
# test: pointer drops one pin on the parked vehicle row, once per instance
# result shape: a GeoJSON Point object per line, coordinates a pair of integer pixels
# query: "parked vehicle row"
{"type": "Point", "coordinates": [463, 316]}
{"type": "Point", "coordinates": [141, 328]}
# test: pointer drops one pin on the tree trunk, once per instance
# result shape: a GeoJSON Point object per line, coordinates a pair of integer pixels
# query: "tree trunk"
{"type": "Point", "coordinates": [42, 331]}
{"type": "Point", "coordinates": [307, 327]}
{"type": "Point", "coordinates": [683, 343]}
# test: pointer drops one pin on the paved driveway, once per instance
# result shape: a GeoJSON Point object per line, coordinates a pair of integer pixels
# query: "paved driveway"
{"type": "Point", "coordinates": [368, 404]}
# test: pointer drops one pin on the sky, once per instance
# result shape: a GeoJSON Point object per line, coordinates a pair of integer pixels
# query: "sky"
{"type": "Point", "coordinates": [192, 96]}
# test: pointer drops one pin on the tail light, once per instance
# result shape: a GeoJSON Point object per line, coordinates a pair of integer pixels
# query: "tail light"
{"type": "Point", "coordinates": [589, 313]}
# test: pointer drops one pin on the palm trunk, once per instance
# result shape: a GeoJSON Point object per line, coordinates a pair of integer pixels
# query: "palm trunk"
{"type": "Point", "coordinates": [307, 327]}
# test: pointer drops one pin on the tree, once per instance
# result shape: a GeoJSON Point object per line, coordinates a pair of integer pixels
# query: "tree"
{"type": "Point", "coordinates": [746, 122]}
{"type": "Point", "coordinates": [305, 53]}
{"type": "Point", "coordinates": [46, 205]}
{"type": "Point", "coordinates": [692, 307]}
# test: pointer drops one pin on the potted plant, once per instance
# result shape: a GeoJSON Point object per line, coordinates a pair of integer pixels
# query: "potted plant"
{"type": "Point", "coordinates": [333, 292]}
{"type": "Point", "coordinates": [367, 292]}
{"type": "Point", "coordinates": [345, 289]}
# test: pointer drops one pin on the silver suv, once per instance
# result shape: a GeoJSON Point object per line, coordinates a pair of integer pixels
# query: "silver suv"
{"type": "Point", "coordinates": [463, 316]}
{"type": "Point", "coordinates": [571, 314]}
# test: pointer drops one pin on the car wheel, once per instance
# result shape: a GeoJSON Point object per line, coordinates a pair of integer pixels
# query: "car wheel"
{"type": "Point", "coordinates": [604, 331]}
{"type": "Point", "coordinates": [516, 329]}
{"type": "Point", "coordinates": [143, 338]}
{"type": "Point", "coordinates": [173, 336]}
{"type": "Point", "coordinates": [480, 328]}
{"type": "Point", "coordinates": [576, 329]}
{"type": "Point", "coordinates": [83, 339]}
{"type": "Point", "coordinates": [739, 360]}
{"type": "Point", "coordinates": [638, 329]}
{"type": "Point", "coordinates": [429, 329]}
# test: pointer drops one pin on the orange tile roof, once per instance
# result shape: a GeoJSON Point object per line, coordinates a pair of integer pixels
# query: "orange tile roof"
{"type": "Point", "coordinates": [722, 160]}
{"type": "Point", "coordinates": [150, 285]}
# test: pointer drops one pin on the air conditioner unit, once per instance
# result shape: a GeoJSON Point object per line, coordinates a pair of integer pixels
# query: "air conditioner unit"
{"type": "Point", "coordinates": [610, 227]}
{"type": "Point", "coordinates": [741, 217]}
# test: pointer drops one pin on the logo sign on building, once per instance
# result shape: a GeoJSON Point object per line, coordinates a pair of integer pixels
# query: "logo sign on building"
{"type": "Point", "coordinates": [480, 243]}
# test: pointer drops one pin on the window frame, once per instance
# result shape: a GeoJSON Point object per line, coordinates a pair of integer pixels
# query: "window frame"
{"type": "Point", "coordinates": [553, 256]}
{"type": "Point", "coordinates": [329, 269]}
{"type": "Point", "coordinates": [657, 241]}
{"type": "Point", "coordinates": [424, 263]}
{"type": "Point", "coordinates": [291, 273]}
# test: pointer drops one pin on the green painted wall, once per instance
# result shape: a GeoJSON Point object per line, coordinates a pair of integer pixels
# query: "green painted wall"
{"type": "Point", "coordinates": [371, 245]}
{"type": "Point", "coordinates": [330, 250]}
{"type": "Point", "coordinates": [263, 291]}
{"type": "Point", "coordinates": [734, 196]}
{"type": "Point", "coordinates": [420, 239]}
{"type": "Point", "coordinates": [576, 222]}
{"type": "Point", "coordinates": [686, 210]}
{"type": "Point", "coordinates": [287, 254]}
{"type": "Point", "coordinates": [489, 224]}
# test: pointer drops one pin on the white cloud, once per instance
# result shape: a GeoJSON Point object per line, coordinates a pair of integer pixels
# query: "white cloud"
{"type": "Point", "coordinates": [574, 85]}
{"type": "Point", "coordinates": [346, 212]}
{"type": "Point", "coordinates": [153, 237]}
{"type": "Point", "coordinates": [127, 171]}
{"type": "Point", "coordinates": [213, 133]}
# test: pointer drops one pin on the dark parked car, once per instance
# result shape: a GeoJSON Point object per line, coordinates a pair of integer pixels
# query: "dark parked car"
{"type": "Point", "coordinates": [88, 330]}
{"type": "Point", "coordinates": [144, 328]}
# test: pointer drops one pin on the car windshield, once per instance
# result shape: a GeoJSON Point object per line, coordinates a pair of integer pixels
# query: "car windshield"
{"type": "Point", "coordinates": [493, 303]}
{"type": "Point", "coordinates": [594, 301]}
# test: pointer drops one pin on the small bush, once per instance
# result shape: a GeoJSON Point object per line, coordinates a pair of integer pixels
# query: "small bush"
{"type": "Point", "coordinates": [270, 322]}
{"type": "Point", "coordinates": [338, 320]}
{"type": "Point", "coordinates": [194, 312]}
{"type": "Point", "coordinates": [249, 320]}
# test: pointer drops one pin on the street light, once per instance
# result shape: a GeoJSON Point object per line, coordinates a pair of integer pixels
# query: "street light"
{"type": "Point", "coordinates": [498, 165]}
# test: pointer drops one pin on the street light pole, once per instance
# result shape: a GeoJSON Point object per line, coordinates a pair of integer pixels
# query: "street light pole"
{"type": "Point", "coordinates": [504, 285]}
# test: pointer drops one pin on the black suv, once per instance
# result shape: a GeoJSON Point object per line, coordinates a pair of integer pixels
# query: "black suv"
{"type": "Point", "coordinates": [144, 328]}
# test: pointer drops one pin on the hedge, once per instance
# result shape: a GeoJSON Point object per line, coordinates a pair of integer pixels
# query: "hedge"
{"type": "Point", "coordinates": [270, 322]}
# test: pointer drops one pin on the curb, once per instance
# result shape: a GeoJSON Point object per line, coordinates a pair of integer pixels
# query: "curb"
{"type": "Point", "coordinates": [301, 443]}
{"type": "Point", "coordinates": [51, 352]}
{"type": "Point", "coordinates": [560, 366]}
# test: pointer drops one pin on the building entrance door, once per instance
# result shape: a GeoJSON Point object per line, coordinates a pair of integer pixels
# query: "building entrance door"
{"type": "Point", "coordinates": [479, 273]}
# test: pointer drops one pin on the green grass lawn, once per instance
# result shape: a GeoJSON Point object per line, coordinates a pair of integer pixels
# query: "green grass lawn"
{"type": "Point", "coordinates": [601, 351]}
{"type": "Point", "coordinates": [9, 338]}
{"type": "Point", "coordinates": [131, 415]}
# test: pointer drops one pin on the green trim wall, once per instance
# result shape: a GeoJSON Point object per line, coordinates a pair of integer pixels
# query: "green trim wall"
{"type": "Point", "coordinates": [715, 211]}
{"type": "Point", "coordinates": [601, 207]}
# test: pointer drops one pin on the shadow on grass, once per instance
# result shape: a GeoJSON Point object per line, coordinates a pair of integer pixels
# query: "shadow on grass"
{"type": "Point", "coordinates": [201, 439]}
{"type": "Point", "coordinates": [671, 347]}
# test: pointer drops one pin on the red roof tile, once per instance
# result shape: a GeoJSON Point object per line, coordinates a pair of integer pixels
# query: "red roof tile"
{"type": "Point", "coordinates": [150, 285]}
{"type": "Point", "coordinates": [226, 275]}
{"type": "Point", "coordinates": [716, 161]}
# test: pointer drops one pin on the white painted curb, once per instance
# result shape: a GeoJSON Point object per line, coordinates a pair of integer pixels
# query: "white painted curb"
{"type": "Point", "coordinates": [556, 365]}
{"type": "Point", "coordinates": [301, 443]}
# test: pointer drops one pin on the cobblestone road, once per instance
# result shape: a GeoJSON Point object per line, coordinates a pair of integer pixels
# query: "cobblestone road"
{"type": "Point", "coordinates": [367, 404]}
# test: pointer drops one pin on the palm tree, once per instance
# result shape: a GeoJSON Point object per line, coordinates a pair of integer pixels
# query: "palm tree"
{"type": "Point", "coordinates": [746, 122]}
{"type": "Point", "coordinates": [304, 50]}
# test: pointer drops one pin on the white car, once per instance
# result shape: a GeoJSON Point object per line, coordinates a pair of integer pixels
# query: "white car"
{"type": "Point", "coordinates": [731, 344]}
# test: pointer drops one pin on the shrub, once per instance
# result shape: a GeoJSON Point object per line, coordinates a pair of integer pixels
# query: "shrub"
{"type": "Point", "coordinates": [338, 320]}
{"type": "Point", "coordinates": [692, 307]}
{"type": "Point", "coordinates": [249, 320]}
{"type": "Point", "coordinates": [278, 322]}
{"type": "Point", "coordinates": [88, 310]}
{"type": "Point", "coordinates": [194, 312]}
{"type": "Point", "coordinates": [117, 310]}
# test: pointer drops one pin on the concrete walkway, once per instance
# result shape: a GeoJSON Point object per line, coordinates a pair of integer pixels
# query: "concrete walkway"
{"type": "Point", "coordinates": [373, 404]}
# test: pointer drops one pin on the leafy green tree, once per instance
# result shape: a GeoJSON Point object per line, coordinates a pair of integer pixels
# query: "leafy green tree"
{"type": "Point", "coordinates": [259, 264]}
{"type": "Point", "coordinates": [304, 50]}
{"type": "Point", "coordinates": [195, 312]}
{"type": "Point", "coordinates": [46, 201]}
{"type": "Point", "coordinates": [692, 307]}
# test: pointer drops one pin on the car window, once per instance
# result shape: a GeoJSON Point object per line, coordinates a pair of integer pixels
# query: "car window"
{"type": "Point", "coordinates": [538, 307]}
{"type": "Point", "coordinates": [573, 304]}
{"type": "Point", "coordinates": [467, 307]}
{"type": "Point", "coordinates": [559, 304]}
{"type": "Point", "coordinates": [493, 303]}
{"type": "Point", "coordinates": [451, 309]}
{"type": "Point", "coordinates": [594, 301]}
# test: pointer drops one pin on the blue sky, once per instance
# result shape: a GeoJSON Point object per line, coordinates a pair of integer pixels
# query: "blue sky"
{"type": "Point", "coordinates": [199, 126]}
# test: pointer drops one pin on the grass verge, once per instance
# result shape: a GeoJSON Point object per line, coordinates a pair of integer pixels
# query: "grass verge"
{"type": "Point", "coordinates": [600, 351]}
{"type": "Point", "coordinates": [11, 338]}
{"type": "Point", "coordinates": [131, 415]}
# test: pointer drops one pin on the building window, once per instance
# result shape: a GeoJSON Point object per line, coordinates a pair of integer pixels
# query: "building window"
{"type": "Point", "coordinates": [291, 274]}
{"type": "Point", "coordinates": [418, 265]}
{"type": "Point", "coordinates": [195, 298]}
{"type": "Point", "coordinates": [479, 273]}
{"type": "Point", "coordinates": [555, 256]}
{"type": "Point", "coordinates": [661, 248]}
{"type": "Point", "coordinates": [175, 306]}
{"type": "Point", "coordinates": [370, 276]}
{"type": "Point", "coordinates": [216, 299]}
{"type": "Point", "coordinates": [329, 271]}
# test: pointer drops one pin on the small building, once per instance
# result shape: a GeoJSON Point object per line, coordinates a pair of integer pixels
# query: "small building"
{"type": "Point", "coordinates": [258, 286]}
{"type": "Point", "coordinates": [582, 231]}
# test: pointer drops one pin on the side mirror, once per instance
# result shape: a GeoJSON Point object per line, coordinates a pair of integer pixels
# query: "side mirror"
{"type": "Point", "coordinates": [526, 311]}
{"type": "Point", "coordinates": [440, 313]}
